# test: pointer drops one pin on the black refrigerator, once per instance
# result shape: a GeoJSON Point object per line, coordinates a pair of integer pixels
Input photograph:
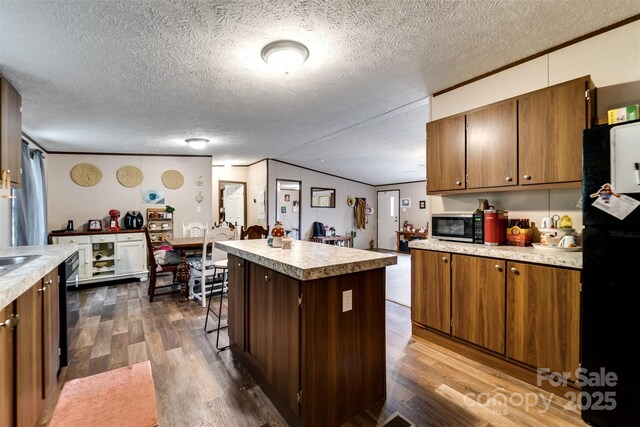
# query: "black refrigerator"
{"type": "Point", "coordinates": [610, 368]}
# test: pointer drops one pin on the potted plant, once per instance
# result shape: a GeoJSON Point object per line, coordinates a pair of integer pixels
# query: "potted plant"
{"type": "Point", "coordinates": [169, 210]}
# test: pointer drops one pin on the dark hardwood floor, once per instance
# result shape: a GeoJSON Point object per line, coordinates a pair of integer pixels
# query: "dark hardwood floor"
{"type": "Point", "coordinates": [114, 326]}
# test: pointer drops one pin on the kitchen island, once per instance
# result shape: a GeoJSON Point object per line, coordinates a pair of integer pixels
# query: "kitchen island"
{"type": "Point", "coordinates": [309, 322]}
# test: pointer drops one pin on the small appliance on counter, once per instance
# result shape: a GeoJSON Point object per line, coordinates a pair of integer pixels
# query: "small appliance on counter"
{"type": "Point", "coordinates": [113, 220]}
{"type": "Point", "coordinates": [457, 227]}
{"type": "Point", "coordinates": [495, 226]}
{"type": "Point", "coordinates": [133, 220]}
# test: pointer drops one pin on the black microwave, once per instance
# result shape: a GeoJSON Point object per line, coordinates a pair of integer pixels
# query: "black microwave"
{"type": "Point", "coordinates": [459, 227]}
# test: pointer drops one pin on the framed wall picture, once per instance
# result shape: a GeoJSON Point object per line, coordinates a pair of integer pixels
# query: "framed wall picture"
{"type": "Point", "coordinates": [95, 225]}
{"type": "Point", "coordinates": [405, 202]}
{"type": "Point", "coordinates": [423, 204]}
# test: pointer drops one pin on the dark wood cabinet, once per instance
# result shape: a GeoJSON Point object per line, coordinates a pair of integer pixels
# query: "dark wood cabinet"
{"type": "Point", "coordinates": [10, 131]}
{"type": "Point", "coordinates": [543, 316]}
{"type": "Point", "coordinates": [320, 363]}
{"type": "Point", "coordinates": [551, 122]}
{"type": "Point", "coordinates": [236, 301]}
{"type": "Point", "coordinates": [7, 367]}
{"type": "Point", "coordinates": [274, 331]}
{"type": "Point", "coordinates": [446, 154]}
{"type": "Point", "coordinates": [492, 146]}
{"type": "Point", "coordinates": [431, 289]}
{"type": "Point", "coordinates": [478, 301]}
{"type": "Point", "coordinates": [51, 332]}
{"type": "Point", "coordinates": [530, 141]}
{"type": "Point", "coordinates": [29, 363]}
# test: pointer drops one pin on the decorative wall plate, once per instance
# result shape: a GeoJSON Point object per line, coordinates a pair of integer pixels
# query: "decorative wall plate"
{"type": "Point", "coordinates": [351, 201]}
{"type": "Point", "coordinates": [86, 174]}
{"type": "Point", "coordinates": [129, 176]}
{"type": "Point", "coordinates": [172, 179]}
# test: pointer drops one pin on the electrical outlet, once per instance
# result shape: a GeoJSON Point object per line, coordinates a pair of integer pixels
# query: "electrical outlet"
{"type": "Point", "coordinates": [198, 209]}
{"type": "Point", "coordinates": [347, 300]}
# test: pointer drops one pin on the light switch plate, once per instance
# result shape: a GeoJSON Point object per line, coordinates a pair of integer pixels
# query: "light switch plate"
{"type": "Point", "coordinates": [198, 209]}
{"type": "Point", "coordinates": [347, 300]}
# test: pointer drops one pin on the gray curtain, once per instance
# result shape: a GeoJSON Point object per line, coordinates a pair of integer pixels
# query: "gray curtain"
{"type": "Point", "coordinates": [30, 204]}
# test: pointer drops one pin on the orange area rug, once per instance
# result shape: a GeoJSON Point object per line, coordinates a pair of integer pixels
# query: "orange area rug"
{"type": "Point", "coordinates": [121, 397]}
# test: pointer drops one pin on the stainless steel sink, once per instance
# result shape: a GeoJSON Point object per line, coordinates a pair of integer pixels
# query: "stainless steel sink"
{"type": "Point", "coordinates": [9, 263]}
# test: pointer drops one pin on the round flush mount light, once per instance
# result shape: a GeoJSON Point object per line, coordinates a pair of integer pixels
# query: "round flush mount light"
{"type": "Point", "coordinates": [285, 55]}
{"type": "Point", "coordinates": [197, 143]}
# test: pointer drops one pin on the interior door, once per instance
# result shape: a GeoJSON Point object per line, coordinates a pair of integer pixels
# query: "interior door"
{"type": "Point", "coordinates": [234, 203]}
{"type": "Point", "coordinates": [388, 222]}
{"type": "Point", "coordinates": [288, 202]}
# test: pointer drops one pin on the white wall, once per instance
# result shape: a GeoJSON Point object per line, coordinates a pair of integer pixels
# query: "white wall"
{"type": "Point", "coordinates": [341, 217]}
{"type": "Point", "coordinates": [67, 200]}
{"type": "Point", "coordinates": [610, 58]}
{"type": "Point", "coordinates": [416, 191]}
{"type": "Point", "coordinates": [257, 193]}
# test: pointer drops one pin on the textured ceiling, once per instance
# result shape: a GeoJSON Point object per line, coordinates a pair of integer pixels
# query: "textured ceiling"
{"type": "Point", "coordinates": [140, 76]}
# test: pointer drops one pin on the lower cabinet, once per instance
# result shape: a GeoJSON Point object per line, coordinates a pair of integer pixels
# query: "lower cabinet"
{"type": "Point", "coordinates": [529, 314]}
{"type": "Point", "coordinates": [130, 253]}
{"type": "Point", "coordinates": [478, 301]}
{"type": "Point", "coordinates": [7, 367]}
{"type": "Point", "coordinates": [236, 303]}
{"type": "Point", "coordinates": [543, 316]}
{"type": "Point", "coordinates": [431, 289]}
{"type": "Point", "coordinates": [29, 352]}
{"type": "Point", "coordinates": [274, 330]}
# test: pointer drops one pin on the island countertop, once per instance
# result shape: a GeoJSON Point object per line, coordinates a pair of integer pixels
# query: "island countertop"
{"type": "Point", "coordinates": [307, 260]}
{"type": "Point", "coordinates": [513, 253]}
{"type": "Point", "coordinates": [15, 282]}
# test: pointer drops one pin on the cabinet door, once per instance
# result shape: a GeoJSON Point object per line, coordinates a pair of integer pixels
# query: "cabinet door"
{"type": "Point", "coordinates": [478, 301]}
{"type": "Point", "coordinates": [51, 332]}
{"type": "Point", "coordinates": [551, 122]}
{"type": "Point", "coordinates": [29, 356]}
{"type": "Point", "coordinates": [543, 316]}
{"type": "Point", "coordinates": [130, 257]}
{"type": "Point", "coordinates": [236, 301]}
{"type": "Point", "coordinates": [492, 146]}
{"type": "Point", "coordinates": [85, 254]}
{"type": "Point", "coordinates": [431, 289]}
{"type": "Point", "coordinates": [10, 131]}
{"type": "Point", "coordinates": [274, 330]}
{"type": "Point", "coordinates": [446, 154]}
{"type": "Point", "coordinates": [7, 370]}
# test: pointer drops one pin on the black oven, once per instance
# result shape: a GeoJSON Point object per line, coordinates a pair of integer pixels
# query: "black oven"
{"type": "Point", "coordinates": [458, 227]}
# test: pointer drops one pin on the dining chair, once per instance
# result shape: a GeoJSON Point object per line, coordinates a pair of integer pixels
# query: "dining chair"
{"type": "Point", "coordinates": [210, 265]}
{"type": "Point", "coordinates": [194, 229]}
{"type": "Point", "coordinates": [155, 269]}
{"type": "Point", "coordinates": [254, 232]}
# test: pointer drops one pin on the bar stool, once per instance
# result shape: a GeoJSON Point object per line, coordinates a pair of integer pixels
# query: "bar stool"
{"type": "Point", "coordinates": [223, 267]}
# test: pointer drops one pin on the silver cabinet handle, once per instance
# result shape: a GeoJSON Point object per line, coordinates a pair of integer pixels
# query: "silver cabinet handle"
{"type": "Point", "coordinates": [458, 182]}
{"type": "Point", "coordinates": [527, 177]}
{"type": "Point", "coordinates": [508, 179]}
{"type": "Point", "coordinates": [239, 264]}
{"type": "Point", "coordinates": [42, 289]}
{"type": "Point", "coordinates": [514, 270]}
{"type": "Point", "coordinates": [6, 324]}
{"type": "Point", "coordinates": [266, 278]}
{"type": "Point", "coordinates": [498, 267]}
{"type": "Point", "coordinates": [444, 259]}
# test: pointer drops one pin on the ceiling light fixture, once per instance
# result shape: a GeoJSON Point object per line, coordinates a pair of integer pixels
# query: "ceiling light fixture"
{"type": "Point", "coordinates": [285, 55]}
{"type": "Point", "coordinates": [197, 143]}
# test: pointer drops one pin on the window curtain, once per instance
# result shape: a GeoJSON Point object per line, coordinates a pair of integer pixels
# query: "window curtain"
{"type": "Point", "coordinates": [30, 204]}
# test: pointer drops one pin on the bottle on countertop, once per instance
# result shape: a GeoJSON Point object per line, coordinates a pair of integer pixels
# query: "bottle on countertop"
{"type": "Point", "coordinates": [478, 221]}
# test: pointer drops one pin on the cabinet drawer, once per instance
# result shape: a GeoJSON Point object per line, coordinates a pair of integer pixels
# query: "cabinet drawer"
{"type": "Point", "coordinates": [100, 238]}
{"type": "Point", "coordinates": [73, 239]}
{"type": "Point", "coordinates": [129, 237]}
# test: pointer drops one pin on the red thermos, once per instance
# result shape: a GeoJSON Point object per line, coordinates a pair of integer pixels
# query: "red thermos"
{"type": "Point", "coordinates": [495, 226]}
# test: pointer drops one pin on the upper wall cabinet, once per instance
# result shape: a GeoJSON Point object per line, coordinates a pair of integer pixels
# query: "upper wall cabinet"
{"type": "Point", "coordinates": [492, 146]}
{"type": "Point", "coordinates": [532, 141]}
{"type": "Point", "coordinates": [551, 124]}
{"type": "Point", "coordinates": [10, 131]}
{"type": "Point", "coordinates": [446, 154]}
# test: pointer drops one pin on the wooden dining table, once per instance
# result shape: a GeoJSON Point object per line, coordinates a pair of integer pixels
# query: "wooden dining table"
{"type": "Point", "coordinates": [182, 245]}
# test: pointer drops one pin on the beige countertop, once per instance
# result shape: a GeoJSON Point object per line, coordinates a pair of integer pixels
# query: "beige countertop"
{"type": "Point", "coordinates": [16, 281]}
{"type": "Point", "coordinates": [513, 253]}
{"type": "Point", "coordinates": [307, 260]}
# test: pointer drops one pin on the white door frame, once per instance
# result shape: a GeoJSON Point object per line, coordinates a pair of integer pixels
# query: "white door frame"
{"type": "Point", "coordinates": [389, 233]}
